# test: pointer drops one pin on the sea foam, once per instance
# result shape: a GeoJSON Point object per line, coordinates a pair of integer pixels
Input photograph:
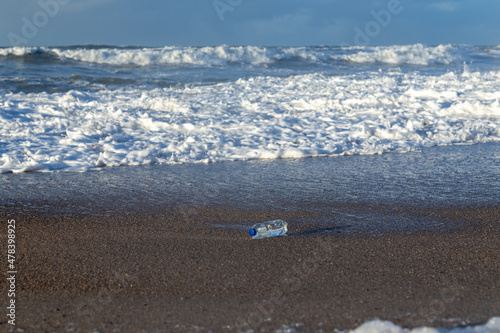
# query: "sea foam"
{"type": "Point", "coordinates": [379, 326]}
{"type": "Point", "coordinates": [417, 54]}
{"type": "Point", "coordinates": [254, 118]}
{"type": "Point", "coordinates": [222, 55]}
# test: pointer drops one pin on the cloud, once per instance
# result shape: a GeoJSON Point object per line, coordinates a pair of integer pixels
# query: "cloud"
{"type": "Point", "coordinates": [255, 22]}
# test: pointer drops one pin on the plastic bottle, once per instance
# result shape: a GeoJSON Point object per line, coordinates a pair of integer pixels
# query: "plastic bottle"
{"type": "Point", "coordinates": [269, 229]}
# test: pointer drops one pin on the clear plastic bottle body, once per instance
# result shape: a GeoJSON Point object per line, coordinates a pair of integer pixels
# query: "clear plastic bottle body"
{"type": "Point", "coordinates": [269, 229]}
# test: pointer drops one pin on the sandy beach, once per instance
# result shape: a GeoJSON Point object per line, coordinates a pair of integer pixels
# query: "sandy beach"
{"type": "Point", "coordinates": [113, 273]}
{"type": "Point", "coordinates": [182, 267]}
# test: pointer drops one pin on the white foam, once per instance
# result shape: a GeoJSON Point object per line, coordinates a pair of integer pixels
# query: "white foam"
{"type": "Point", "coordinates": [206, 56]}
{"type": "Point", "coordinates": [20, 51]}
{"type": "Point", "coordinates": [417, 54]}
{"type": "Point", "coordinates": [256, 118]}
{"type": "Point", "coordinates": [379, 326]}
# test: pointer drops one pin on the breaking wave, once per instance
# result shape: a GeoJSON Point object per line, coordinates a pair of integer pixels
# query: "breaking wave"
{"type": "Point", "coordinates": [223, 55]}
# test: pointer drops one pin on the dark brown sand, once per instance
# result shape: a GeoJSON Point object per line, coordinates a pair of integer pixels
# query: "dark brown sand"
{"type": "Point", "coordinates": [169, 271]}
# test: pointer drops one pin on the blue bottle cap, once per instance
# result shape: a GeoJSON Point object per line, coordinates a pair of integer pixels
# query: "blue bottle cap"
{"type": "Point", "coordinates": [252, 232]}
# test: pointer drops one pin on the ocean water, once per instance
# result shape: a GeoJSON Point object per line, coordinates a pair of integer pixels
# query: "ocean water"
{"type": "Point", "coordinates": [84, 107]}
{"type": "Point", "coordinates": [381, 194]}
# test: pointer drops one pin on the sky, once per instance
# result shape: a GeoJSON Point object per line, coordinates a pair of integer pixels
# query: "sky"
{"type": "Point", "coordinates": [248, 22]}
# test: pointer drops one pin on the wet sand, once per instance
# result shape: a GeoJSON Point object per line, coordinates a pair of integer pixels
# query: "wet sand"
{"type": "Point", "coordinates": [162, 273]}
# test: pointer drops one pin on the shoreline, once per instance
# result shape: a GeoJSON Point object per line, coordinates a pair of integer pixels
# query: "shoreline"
{"type": "Point", "coordinates": [369, 193]}
{"type": "Point", "coordinates": [409, 238]}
